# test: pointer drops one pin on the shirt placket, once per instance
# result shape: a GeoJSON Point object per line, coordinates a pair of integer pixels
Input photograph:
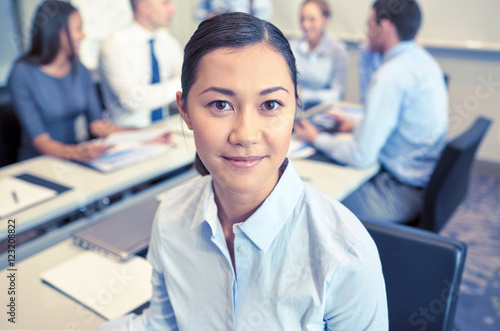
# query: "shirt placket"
{"type": "Point", "coordinates": [243, 256]}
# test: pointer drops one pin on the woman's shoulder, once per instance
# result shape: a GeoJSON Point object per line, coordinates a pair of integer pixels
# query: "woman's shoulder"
{"type": "Point", "coordinates": [333, 217]}
{"type": "Point", "coordinates": [82, 69]}
{"type": "Point", "coordinates": [335, 44]}
{"type": "Point", "coordinates": [22, 74]}
{"type": "Point", "coordinates": [189, 195]}
{"type": "Point", "coordinates": [23, 68]}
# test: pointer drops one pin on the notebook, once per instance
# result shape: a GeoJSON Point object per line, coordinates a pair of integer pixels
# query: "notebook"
{"type": "Point", "coordinates": [24, 191]}
{"type": "Point", "coordinates": [123, 234]}
{"type": "Point", "coordinates": [108, 287]}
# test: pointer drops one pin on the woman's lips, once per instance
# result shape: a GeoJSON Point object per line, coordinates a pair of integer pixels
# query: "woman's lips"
{"type": "Point", "coordinates": [243, 161]}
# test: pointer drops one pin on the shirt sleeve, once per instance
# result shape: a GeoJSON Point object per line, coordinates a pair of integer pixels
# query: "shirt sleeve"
{"type": "Point", "coordinates": [358, 283]}
{"type": "Point", "coordinates": [371, 134]}
{"type": "Point", "coordinates": [22, 96]}
{"type": "Point", "coordinates": [113, 66]}
{"type": "Point", "coordinates": [336, 89]}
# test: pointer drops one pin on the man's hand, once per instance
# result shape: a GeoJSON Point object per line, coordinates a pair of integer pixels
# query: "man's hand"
{"type": "Point", "coordinates": [344, 124]}
{"type": "Point", "coordinates": [306, 131]}
{"type": "Point", "coordinates": [164, 138]}
{"type": "Point", "coordinates": [89, 150]}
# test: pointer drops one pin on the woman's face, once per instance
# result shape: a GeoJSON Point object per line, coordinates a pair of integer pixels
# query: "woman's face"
{"type": "Point", "coordinates": [241, 110]}
{"type": "Point", "coordinates": [75, 27]}
{"type": "Point", "coordinates": [312, 21]}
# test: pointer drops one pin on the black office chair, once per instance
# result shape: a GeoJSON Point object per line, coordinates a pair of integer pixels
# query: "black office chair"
{"type": "Point", "coordinates": [10, 129]}
{"type": "Point", "coordinates": [450, 180]}
{"type": "Point", "coordinates": [422, 272]}
{"type": "Point", "coordinates": [100, 96]}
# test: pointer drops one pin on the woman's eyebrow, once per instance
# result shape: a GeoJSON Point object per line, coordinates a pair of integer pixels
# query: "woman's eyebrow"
{"type": "Point", "coordinates": [219, 90]}
{"type": "Point", "coordinates": [273, 89]}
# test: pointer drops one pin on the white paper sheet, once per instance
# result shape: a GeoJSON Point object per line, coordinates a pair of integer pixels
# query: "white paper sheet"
{"type": "Point", "coordinates": [127, 154]}
{"type": "Point", "coordinates": [109, 288]}
{"type": "Point", "coordinates": [135, 136]}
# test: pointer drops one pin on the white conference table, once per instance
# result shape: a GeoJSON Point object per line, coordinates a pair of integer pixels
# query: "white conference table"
{"type": "Point", "coordinates": [41, 307]}
{"type": "Point", "coordinates": [89, 186]}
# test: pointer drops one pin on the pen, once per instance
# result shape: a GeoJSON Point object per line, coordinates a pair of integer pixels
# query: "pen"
{"type": "Point", "coordinates": [14, 196]}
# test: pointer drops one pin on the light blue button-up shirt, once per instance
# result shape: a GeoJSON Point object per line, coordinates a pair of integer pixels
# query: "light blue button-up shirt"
{"type": "Point", "coordinates": [368, 63]}
{"type": "Point", "coordinates": [406, 118]}
{"type": "Point", "coordinates": [302, 262]}
{"type": "Point", "coordinates": [322, 71]}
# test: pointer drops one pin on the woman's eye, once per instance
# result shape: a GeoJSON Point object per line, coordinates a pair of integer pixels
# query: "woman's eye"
{"type": "Point", "coordinates": [220, 105]}
{"type": "Point", "coordinates": [270, 105]}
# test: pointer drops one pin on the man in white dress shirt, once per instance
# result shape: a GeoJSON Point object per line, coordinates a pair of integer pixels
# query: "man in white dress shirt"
{"type": "Point", "coordinates": [140, 66]}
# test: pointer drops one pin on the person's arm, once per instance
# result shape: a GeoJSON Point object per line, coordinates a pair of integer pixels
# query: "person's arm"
{"type": "Point", "coordinates": [132, 94]}
{"type": "Point", "coordinates": [82, 152]}
{"type": "Point", "coordinates": [356, 297]}
{"type": "Point", "coordinates": [338, 81]}
{"type": "Point", "coordinates": [371, 134]}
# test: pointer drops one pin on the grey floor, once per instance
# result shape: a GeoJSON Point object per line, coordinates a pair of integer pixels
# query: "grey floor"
{"type": "Point", "coordinates": [477, 223]}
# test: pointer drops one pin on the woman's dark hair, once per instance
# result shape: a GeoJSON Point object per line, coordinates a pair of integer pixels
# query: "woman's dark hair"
{"type": "Point", "coordinates": [231, 30]}
{"type": "Point", "coordinates": [50, 18]}
{"type": "Point", "coordinates": [404, 14]}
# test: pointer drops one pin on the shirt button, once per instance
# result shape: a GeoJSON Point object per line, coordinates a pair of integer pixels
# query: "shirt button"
{"type": "Point", "coordinates": [241, 249]}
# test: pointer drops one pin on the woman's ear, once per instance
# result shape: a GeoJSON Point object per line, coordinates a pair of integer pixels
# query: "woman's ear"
{"type": "Point", "coordinates": [181, 105]}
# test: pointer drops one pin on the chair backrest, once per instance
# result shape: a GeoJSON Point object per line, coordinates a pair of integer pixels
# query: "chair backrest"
{"type": "Point", "coordinates": [10, 129]}
{"type": "Point", "coordinates": [422, 273]}
{"type": "Point", "coordinates": [450, 180]}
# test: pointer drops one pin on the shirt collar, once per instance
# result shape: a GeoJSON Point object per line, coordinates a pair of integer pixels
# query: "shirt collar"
{"type": "Point", "coordinates": [400, 48]}
{"type": "Point", "coordinates": [144, 34]}
{"type": "Point", "coordinates": [304, 46]}
{"type": "Point", "coordinates": [265, 223]}
{"type": "Point", "coordinates": [263, 226]}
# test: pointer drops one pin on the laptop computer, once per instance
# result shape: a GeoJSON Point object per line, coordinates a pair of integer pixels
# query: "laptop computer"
{"type": "Point", "coordinates": [121, 235]}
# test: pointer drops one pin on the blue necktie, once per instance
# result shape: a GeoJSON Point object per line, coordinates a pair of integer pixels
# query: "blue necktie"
{"type": "Point", "coordinates": [156, 114]}
{"type": "Point", "coordinates": [252, 10]}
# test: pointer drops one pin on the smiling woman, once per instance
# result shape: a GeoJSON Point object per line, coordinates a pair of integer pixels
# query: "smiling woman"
{"type": "Point", "coordinates": [251, 247]}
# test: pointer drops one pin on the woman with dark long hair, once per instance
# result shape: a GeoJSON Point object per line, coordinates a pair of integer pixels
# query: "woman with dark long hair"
{"type": "Point", "coordinates": [53, 92]}
{"type": "Point", "coordinates": [250, 246]}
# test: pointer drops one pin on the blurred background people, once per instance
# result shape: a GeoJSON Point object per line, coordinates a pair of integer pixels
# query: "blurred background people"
{"type": "Point", "coordinates": [140, 66]}
{"type": "Point", "coordinates": [53, 93]}
{"type": "Point", "coordinates": [405, 123]}
{"type": "Point", "coordinates": [321, 59]}
{"type": "Point", "coordinates": [205, 9]}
